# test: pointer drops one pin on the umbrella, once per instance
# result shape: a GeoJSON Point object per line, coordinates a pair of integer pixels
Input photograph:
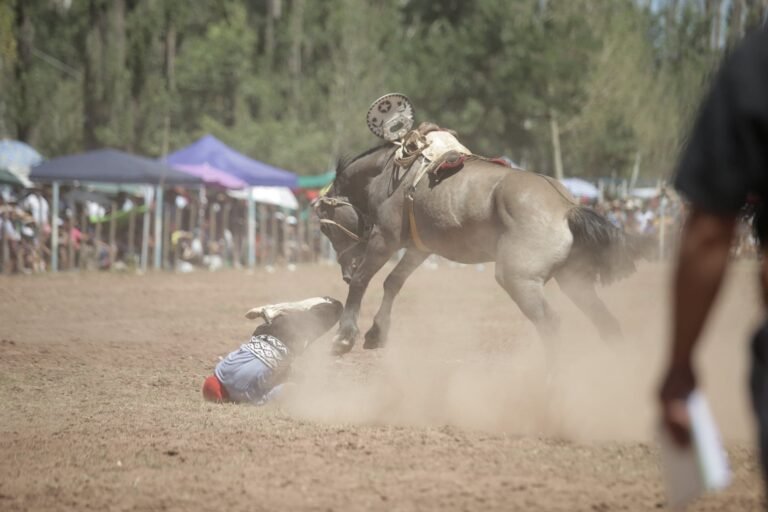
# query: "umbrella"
{"type": "Point", "coordinates": [580, 188]}
{"type": "Point", "coordinates": [9, 178]}
{"type": "Point", "coordinates": [16, 158]}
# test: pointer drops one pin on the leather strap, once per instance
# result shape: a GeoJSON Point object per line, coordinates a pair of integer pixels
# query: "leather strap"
{"type": "Point", "coordinates": [417, 241]}
{"type": "Point", "coordinates": [344, 230]}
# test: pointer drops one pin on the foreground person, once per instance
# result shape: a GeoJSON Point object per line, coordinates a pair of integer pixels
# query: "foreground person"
{"type": "Point", "coordinates": [724, 164]}
{"type": "Point", "coordinates": [256, 372]}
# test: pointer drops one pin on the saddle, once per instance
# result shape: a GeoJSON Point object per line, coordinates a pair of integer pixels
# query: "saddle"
{"type": "Point", "coordinates": [434, 150]}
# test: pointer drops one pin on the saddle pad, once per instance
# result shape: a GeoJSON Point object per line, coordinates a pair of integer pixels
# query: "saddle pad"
{"type": "Point", "coordinates": [455, 164]}
{"type": "Point", "coordinates": [439, 143]}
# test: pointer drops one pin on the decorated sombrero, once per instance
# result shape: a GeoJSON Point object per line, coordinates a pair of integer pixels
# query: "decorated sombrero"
{"type": "Point", "coordinates": [391, 116]}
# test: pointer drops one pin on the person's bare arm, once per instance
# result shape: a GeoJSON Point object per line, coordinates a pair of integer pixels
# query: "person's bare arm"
{"type": "Point", "coordinates": [702, 260]}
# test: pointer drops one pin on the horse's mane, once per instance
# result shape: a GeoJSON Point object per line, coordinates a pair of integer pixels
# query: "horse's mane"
{"type": "Point", "coordinates": [345, 161]}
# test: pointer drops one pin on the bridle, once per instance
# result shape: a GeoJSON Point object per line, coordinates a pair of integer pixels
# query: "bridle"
{"type": "Point", "coordinates": [334, 202]}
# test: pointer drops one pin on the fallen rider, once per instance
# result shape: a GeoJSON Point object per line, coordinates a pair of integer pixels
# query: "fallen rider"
{"type": "Point", "coordinates": [256, 372]}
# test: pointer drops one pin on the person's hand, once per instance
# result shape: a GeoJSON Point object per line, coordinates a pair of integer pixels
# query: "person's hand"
{"type": "Point", "coordinates": [678, 383]}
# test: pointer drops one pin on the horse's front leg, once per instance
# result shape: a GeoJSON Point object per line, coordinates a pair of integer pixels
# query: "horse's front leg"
{"type": "Point", "coordinates": [378, 251]}
{"type": "Point", "coordinates": [377, 335]}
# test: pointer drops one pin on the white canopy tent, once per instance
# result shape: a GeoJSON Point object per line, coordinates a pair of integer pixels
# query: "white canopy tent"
{"type": "Point", "coordinates": [275, 196]}
{"type": "Point", "coordinates": [581, 188]}
{"type": "Point", "coordinates": [645, 192]}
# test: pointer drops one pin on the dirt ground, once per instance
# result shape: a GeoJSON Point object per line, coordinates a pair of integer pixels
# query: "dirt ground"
{"type": "Point", "coordinates": [465, 409]}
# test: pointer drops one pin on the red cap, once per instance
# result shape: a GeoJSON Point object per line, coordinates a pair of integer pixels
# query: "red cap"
{"type": "Point", "coordinates": [213, 391]}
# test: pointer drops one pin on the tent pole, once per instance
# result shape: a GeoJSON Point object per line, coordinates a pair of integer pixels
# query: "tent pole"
{"type": "Point", "coordinates": [251, 230]}
{"type": "Point", "coordinates": [55, 229]}
{"type": "Point", "coordinates": [262, 234]}
{"type": "Point", "coordinates": [662, 226]}
{"type": "Point", "coordinates": [287, 231]}
{"type": "Point", "coordinates": [274, 250]}
{"type": "Point", "coordinates": [300, 232]}
{"type": "Point", "coordinates": [70, 247]}
{"type": "Point", "coordinates": [166, 234]}
{"type": "Point", "coordinates": [145, 231]}
{"type": "Point", "coordinates": [113, 233]}
{"type": "Point", "coordinates": [158, 228]}
{"type": "Point", "coordinates": [192, 216]}
{"type": "Point", "coordinates": [83, 229]}
{"type": "Point", "coordinates": [200, 221]}
{"type": "Point", "coordinates": [132, 233]}
{"type": "Point", "coordinates": [6, 254]}
{"type": "Point", "coordinates": [227, 249]}
{"type": "Point", "coordinates": [97, 240]}
{"type": "Point", "coordinates": [212, 235]}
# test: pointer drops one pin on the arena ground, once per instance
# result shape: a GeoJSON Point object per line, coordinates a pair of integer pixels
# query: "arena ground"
{"type": "Point", "coordinates": [465, 409]}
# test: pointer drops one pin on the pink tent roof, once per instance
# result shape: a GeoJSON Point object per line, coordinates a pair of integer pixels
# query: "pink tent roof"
{"type": "Point", "coordinates": [211, 175]}
{"type": "Point", "coordinates": [212, 151]}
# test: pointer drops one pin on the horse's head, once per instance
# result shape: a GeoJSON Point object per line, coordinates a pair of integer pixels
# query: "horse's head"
{"type": "Point", "coordinates": [345, 227]}
{"type": "Point", "coordinates": [344, 214]}
{"type": "Point", "coordinates": [297, 323]}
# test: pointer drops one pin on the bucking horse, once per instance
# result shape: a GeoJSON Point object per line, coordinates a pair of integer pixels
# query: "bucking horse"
{"type": "Point", "coordinates": [473, 211]}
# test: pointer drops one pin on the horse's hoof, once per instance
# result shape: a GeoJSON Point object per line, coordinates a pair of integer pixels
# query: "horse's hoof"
{"type": "Point", "coordinates": [373, 339]}
{"type": "Point", "coordinates": [341, 346]}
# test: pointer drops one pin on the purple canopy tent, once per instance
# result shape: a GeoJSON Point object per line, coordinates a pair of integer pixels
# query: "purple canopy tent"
{"type": "Point", "coordinates": [211, 175]}
{"type": "Point", "coordinates": [216, 156]}
{"type": "Point", "coordinates": [210, 150]}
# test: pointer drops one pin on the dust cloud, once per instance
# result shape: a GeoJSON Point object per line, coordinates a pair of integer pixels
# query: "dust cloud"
{"type": "Point", "coordinates": [472, 361]}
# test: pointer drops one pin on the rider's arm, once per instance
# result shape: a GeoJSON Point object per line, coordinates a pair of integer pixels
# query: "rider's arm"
{"type": "Point", "coordinates": [725, 160]}
{"type": "Point", "coordinates": [702, 260]}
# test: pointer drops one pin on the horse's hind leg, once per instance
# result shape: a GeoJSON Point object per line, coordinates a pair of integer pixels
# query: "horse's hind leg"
{"type": "Point", "coordinates": [524, 281]}
{"type": "Point", "coordinates": [528, 294]}
{"type": "Point", "coordinates": [377, 334]}
{"type": "Point", "coordinates": [581, 290]}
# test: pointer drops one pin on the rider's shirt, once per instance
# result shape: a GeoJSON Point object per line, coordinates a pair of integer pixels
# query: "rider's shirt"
{"type": "Point", "coordinates": [251, 371]}
{"type": "Point", "coordinates": [726, 159]}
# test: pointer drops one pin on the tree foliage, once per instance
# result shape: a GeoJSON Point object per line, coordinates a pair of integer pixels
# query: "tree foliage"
{"type": "Point", "coordinates": [289, 81]}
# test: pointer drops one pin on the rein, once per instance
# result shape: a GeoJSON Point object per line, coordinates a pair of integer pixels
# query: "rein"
{"type": "Point", "coordinates": [413, 145]}
{"type": "Point", "coordinates": [344, 230]}
{"type": "Point", "coordinates": [334, 202]}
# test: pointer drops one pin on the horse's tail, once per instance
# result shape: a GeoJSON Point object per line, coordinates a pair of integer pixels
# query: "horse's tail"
{"type": "Point", "coordinates": [600, 250]}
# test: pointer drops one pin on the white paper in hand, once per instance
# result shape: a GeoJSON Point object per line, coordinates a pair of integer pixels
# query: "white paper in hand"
{"type": "Point", "coordinates": [701, 466]}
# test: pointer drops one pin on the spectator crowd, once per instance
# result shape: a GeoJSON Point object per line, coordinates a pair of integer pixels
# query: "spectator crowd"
{"type": "Point", "coordinates": [104, 231]}
{"type": "Point", "coordinates": [209, 230]}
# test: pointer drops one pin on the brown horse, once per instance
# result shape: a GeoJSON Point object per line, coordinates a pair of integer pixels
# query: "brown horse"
{"type": "Point", "coordinates": [525, 222]}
